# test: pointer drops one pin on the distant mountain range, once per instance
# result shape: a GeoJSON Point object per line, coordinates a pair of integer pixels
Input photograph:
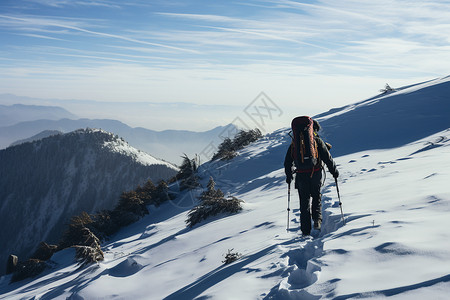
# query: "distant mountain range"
{"type": "Point", "coordinates": [41, 135]}
{"type": "Point", "coordinates": [13, 114]}
{"type": "Point", "coordinates": [152, 115]}
{"type": "Point", "coordinates": [45, 182]}
{"type": "Point", "coordinates": [169, 145]}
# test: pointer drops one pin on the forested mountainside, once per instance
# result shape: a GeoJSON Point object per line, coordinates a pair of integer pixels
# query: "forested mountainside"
{"type": "Point", "coordinates": [45, 182]}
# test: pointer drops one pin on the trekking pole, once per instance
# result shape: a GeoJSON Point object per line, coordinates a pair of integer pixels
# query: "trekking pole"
{"type": "Point", "coordinates": [340, 203]}
{"type": "Point", "coordinates": [289, 201]}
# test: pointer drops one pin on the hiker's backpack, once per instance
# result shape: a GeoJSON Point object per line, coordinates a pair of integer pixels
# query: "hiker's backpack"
{"type": "Point", "coordinates": [304, 146]}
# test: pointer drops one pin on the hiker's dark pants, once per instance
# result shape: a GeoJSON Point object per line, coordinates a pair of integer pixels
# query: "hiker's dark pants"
{"type": "Point", "coordinates": [309, 187]}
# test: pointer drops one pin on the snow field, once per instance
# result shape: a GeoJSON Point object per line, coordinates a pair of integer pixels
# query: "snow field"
{"type": "Point", "coordinates": [396, 239]}
{"type": "Point", "coordinates": [395, 243]}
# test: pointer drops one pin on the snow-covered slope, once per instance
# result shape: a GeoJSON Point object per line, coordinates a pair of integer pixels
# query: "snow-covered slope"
{"type": "Point", "coordinates": [395, 242]}
{"type": "Point", "coordinates": [389, 120]}
{"type": "Point", "coordinates": [46, 182]}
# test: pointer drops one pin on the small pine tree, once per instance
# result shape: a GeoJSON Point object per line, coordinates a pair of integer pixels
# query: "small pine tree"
{"type": "Point", "coordinates": [146, 192]}
{"type": "Point", "coordinates": [211, 186]}
{"type": "Point", "coordinates": [187, 173]}
{"type": "Point", "coordinates": [190, 183]}
{"type": "Point", "coordinates": [187, 168]}
{"type": "Point", "coordinates": [231, 257]}
{"type": "Point", "coordinates": [387, 89]}
{"type": "Point", "coordinates": [211, 192]}
{"type": "Point", "coordinates": [212, 202]}
{"type": "Point", "coordinates": [227, 149]}
{"type": "Point", "coordinates": [161, 193]}
{"type": "Point", "coordinates": [104, 224]}
{"type": "Point", "coordinates": [130, 209]}
{"type": "Point", "coordinates": [244, 138]}
{"type": "Point", "coordinates": [74, 233]}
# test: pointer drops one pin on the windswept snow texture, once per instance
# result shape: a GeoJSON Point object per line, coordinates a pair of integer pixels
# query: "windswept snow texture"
{"type": "Point", "coordinates": [395, 242]}
{"type": "Point", "coordinates": [389, 120]}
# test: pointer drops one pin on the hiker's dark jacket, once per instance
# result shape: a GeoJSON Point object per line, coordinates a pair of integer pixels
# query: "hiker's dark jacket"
{"type": "Point", "coordinates": [324, 155]}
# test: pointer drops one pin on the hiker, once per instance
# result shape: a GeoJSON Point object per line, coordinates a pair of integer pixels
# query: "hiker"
{"type": "Point", "coordinates": [307, 152]}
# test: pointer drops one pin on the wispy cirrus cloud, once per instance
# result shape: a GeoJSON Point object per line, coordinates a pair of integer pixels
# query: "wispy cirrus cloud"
{"type": "Point", "coordinates": [203, 50]}
{"type": "Point", "coordinates": [264, 34]}
{"type": "Point", "coordinates": [382, 17]}
{"type": "Point", "coordinates": [39, 36]}
{"type": "Point", "coordinates": [269, 35]}
{"type": "Point", "coordinates": [203, 17]}
{"type": "Point", "coordinates": [72, 3]}
{"type": "Point", "coordinates": [57, 23]}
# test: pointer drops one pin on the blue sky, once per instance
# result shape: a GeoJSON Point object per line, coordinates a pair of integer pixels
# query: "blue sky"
{"type": "Point", "coordinates": [312, 55]}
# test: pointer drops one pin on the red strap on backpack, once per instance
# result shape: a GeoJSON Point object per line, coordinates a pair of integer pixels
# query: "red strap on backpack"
{"type": "Point", "coordinates": [297, 124]}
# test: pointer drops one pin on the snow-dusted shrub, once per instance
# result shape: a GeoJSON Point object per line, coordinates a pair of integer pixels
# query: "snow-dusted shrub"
{"type": "Point", "coordinates": [77, 235]}
{"type": "Point", "coordinates": [150, 194]}
{"type": "Point", "coordinates": [29, 268]}
{"type": "Point", "coordinates": [145, 193]}
{"type": "Point", "coordinates": [77, 231]}
{"type": "Point", "coordinates": [227, 149]}
{"type": "Point", "coordinates": [211, 192]}
{"type": "Point", "coordinates": [130, 209]}
{"type": "Point", "coordinates": [84, 231]}
{"type": "Point", "coordinates": [87, 246]}
{"type": "Point", "coordinates": [44, 251]}
{"type": "Point", "coordinates": [387, 89]}
{"type": "Point", "coordinates": [228, 155]}
{"type": "Point", "coordinates": [231, 257]}
{"type": "Point", "coordinates": [161, 194]}
{"type": "Point", "coordinates": [103, 224]}
{"type": "Point", "coordinates": [212, 203]}
{"type": "Point", "coordinates": [244, 138]}
{"type": "Point", "coordinates": [190, 183]}
{"type": "Point", "coordinates": [87, 254]}
{"type": "Point", "coordinates": [187, 168]}
{"type": "Point", "coordinates": [213, 207]}
{"type": "Point", "coordinates": [187, 173]}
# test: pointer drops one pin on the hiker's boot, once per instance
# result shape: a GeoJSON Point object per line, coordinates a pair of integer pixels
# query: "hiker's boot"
{"type": "Point", "coordinates": [317, 225]}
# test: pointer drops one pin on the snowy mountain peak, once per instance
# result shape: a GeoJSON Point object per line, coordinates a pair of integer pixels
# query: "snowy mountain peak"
{"type": "Point", "coordinates": [113, 143]}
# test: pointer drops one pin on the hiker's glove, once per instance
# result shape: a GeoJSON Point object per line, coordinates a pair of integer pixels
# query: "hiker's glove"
{"type": "Point", "coordinates": [288, 178]}
{"type": "Point", "coordinates": [336, 174]}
